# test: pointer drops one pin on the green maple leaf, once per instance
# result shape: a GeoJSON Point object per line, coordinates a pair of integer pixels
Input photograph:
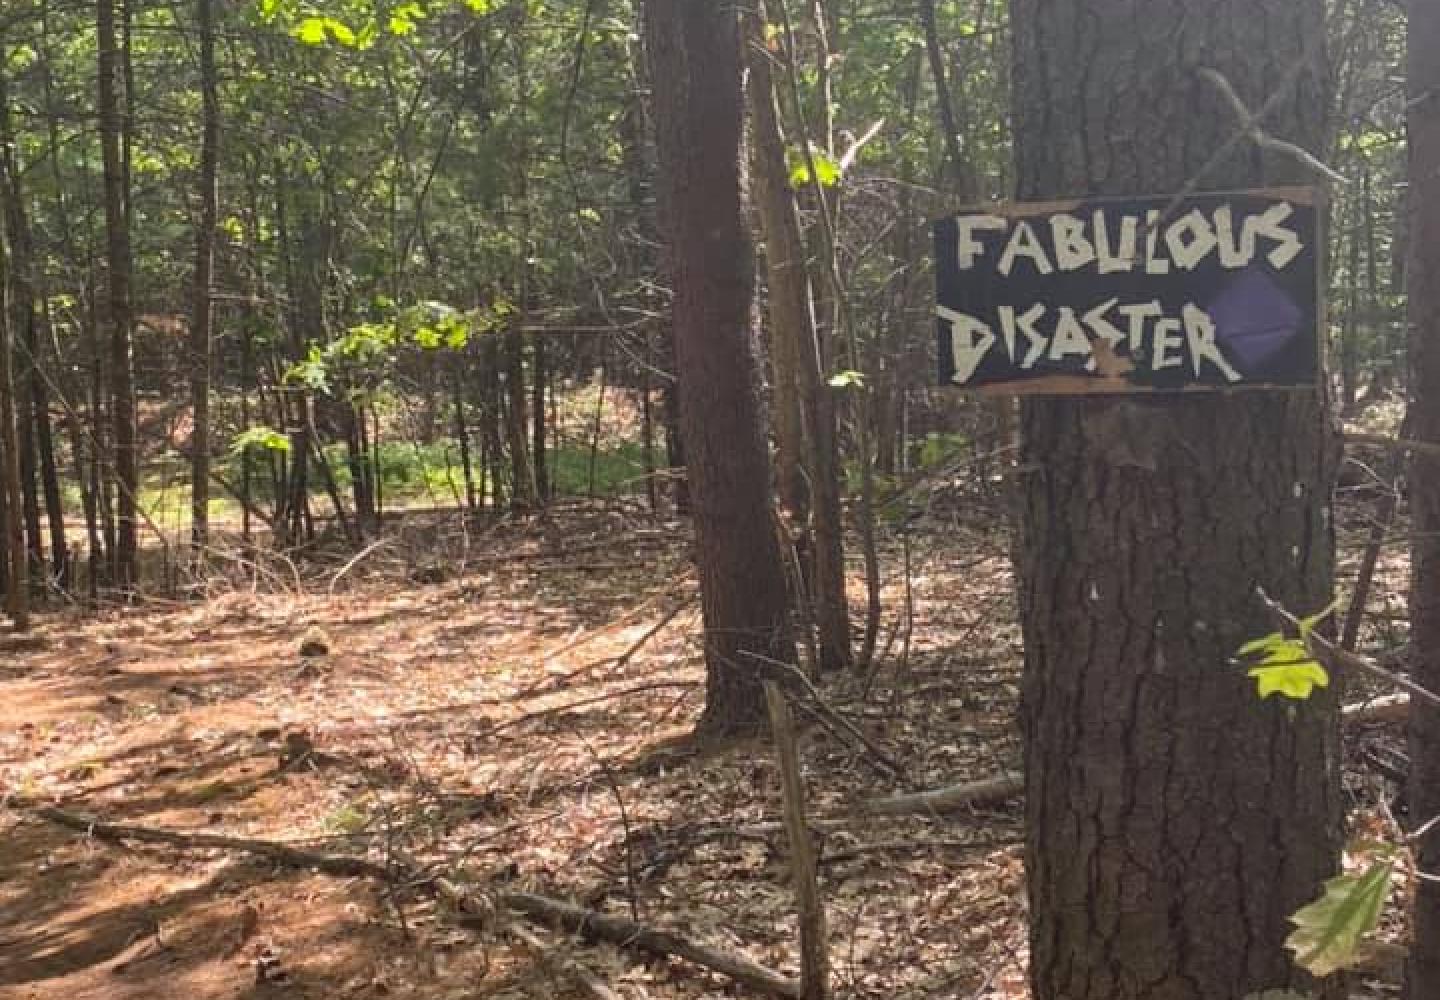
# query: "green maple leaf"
{"type": "Point", "coordinates": [1297, 679]}
{"type": "Point", "coordinates": [827, 169]}
{"type": "Point", "coordinates": [1286, 666]}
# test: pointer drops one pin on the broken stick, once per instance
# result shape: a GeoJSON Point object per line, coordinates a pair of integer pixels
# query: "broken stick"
{"type": "Point", "coordinates": [473, 909]}
{"type": "Point", "coordinates": [949, 798]}
{"type": "Point", "coordinates": [814, 943]}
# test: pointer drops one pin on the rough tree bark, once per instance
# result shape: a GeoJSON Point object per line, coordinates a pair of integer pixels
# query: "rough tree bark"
{"type": "Point", "coordinates": [1423, 202]}
{"type": "Point", "coordinates": [694, 46]}
{"type": "Point", "coordinates": [117, 229]}
{"type": "Point", "coordinates": [203, 305]}
{"type": "Point", "coordinates": [12, 535]}
{"type": "Point", "coordinates": [1175, 821]}
{"type": "Point", "coordinates": [37, 443]}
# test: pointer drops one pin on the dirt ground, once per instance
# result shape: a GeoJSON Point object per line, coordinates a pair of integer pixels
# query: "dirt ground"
{"type": "Point", "coordinates": [514, 708]}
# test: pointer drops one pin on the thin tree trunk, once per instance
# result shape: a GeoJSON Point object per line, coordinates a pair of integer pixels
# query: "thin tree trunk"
{"type": "Point", "coordinates": [695, 48]}
{"type": "Point", "coordinates": [37, 445]}
{"type": "Point", "coordinates": [1174, 820]}
{"type": "Point", "coordinates": [816, 504]}
{"type": "Point", "coordinates": [522, 478]}
{"type": "Point", "coordinates": [539, 380]}
{"type": "Point", "coordinates": [203, 305]}
{"type": "Point", "coordinates": [12, 541]}
{"type": "Point", "coordinates": [843, 321]}
{"type": "Point", "coordinates": [114, 147]}
{"type": "Point", "coordinates": [462, 438]}
{"type": "Point", "coordinates": [647, 426]}
{"type": "Point", "coordinates": [1349, 329]}
{"type": "Point", "coordinates": [960, 174]}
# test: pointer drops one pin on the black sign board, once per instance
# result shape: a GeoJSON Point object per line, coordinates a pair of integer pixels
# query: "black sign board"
{"type": "Point", "coordinates": [1212, 291]}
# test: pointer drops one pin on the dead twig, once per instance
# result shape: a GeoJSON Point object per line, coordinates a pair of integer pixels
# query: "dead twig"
{"type": "Point", "coordinates": [814, 947]}
{"type": "Point", "coordinates": [817, 706]}
{"type": "Point", "coordinates": [1427, 448]}
{"type": "Point", "coordinates": [949, 798]}
{"type": "Point", "coordinates": [618, 662]}
{"type": "Point", "coordinates": [637, 937]}
{"type": "Point", "coordinates": [562, 964]}
{"type": "Point", "coordinates": [1332, 656]}
{"type": "Point", "coordinates": [473, 908]}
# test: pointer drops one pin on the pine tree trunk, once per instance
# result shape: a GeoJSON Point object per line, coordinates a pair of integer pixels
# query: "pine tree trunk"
{"type": "Point", "coordinates": [539, 453]}
{"type": "Point", "coordinates": [1175, 821]}
{"type": "Point", "coordinates": [203, 306]}
{"type": "Point", "coordinates": [695, 48]}
{"type": "Point", "coordinates": [38, 473]}
{"type": "Point", "coordinates": [117, 228]}
{"type": "Point", "coordinates": [1424, 309]}
{"type": "Point", "coordinates": [12, 535]}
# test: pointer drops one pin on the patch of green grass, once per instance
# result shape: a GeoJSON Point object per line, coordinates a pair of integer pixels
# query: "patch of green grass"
{"type": "Point", "coordinates": [620, 469]}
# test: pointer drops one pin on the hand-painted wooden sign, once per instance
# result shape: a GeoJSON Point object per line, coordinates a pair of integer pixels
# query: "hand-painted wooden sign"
{"type": "Point", "coordinates": [1213, 291]}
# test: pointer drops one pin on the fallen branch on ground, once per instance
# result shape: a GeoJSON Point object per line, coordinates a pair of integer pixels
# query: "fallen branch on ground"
{"type": "Point", "coordinates": [629, 934]}
{"type": "Point", "coordinates": [473, 908]}
{"type": "Point", "coordinates": [563, 964]}
{"type": "Point", "coordinates": [550, 684]}
{"type": "Point", "coordinates": [1430, 448]}
{"type": "Point", "coordinates": [828, 716]}
{"type": "Point", "coordinates": [346, 866]}
{"type": "Point", "coordinates": [952, 797]}
{"type": "Point", "coordinates": [1390, 708]}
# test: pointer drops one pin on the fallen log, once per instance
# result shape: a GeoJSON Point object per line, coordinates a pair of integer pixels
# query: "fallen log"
{"type": "Point", "coordinates": [472, 908]}
{"type": "Point", "coordinates": [949, 798]}
{"type": "Point", "coordinates": [1390, 708]}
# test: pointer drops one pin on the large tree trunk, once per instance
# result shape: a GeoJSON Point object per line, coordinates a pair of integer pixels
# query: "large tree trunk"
{"type": "Point", "coordinates": [815, 496]}
{"type": "Point", "coordinates": [117, 228]}
{"type": "Point", "coordinates": [1424, 288]}
{"type": "Point", "coordinates": [1175, 821]}
{"type": "Point", "coordinates": [695, 48]}
{"type": "Point", "coordinates": [203, 306]}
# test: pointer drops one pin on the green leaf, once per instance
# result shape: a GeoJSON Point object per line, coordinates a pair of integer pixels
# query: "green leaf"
{"type": "Point", "coordinates": [403, 18]}
{"type": "Point", "coordinates": [1261, 644]}
{"type": "Point", "coordinates": [847, 380]}
{"type": "Point", "coordinates": [827, 169]}
{"type": "Point", "coordinates": [1284, 651]}
{"type": "Point", "coordinates": [1296, 679]}
{"type": "Point", "coordinates": [478, 6]}
{"type": "Point", "coordinates": [259, 439]}
{"type": "Point", "coordinates": [1329, 932]}
{"type": "Point", "coordinates": [318, 30]}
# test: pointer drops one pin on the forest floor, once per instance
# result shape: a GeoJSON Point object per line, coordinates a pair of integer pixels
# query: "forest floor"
{"type": "Point", "coordinates": [517, 704]}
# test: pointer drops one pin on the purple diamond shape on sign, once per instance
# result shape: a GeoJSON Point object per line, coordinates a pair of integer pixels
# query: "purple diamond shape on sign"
{"type": "Point", "coordinates": [1254, 318]}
